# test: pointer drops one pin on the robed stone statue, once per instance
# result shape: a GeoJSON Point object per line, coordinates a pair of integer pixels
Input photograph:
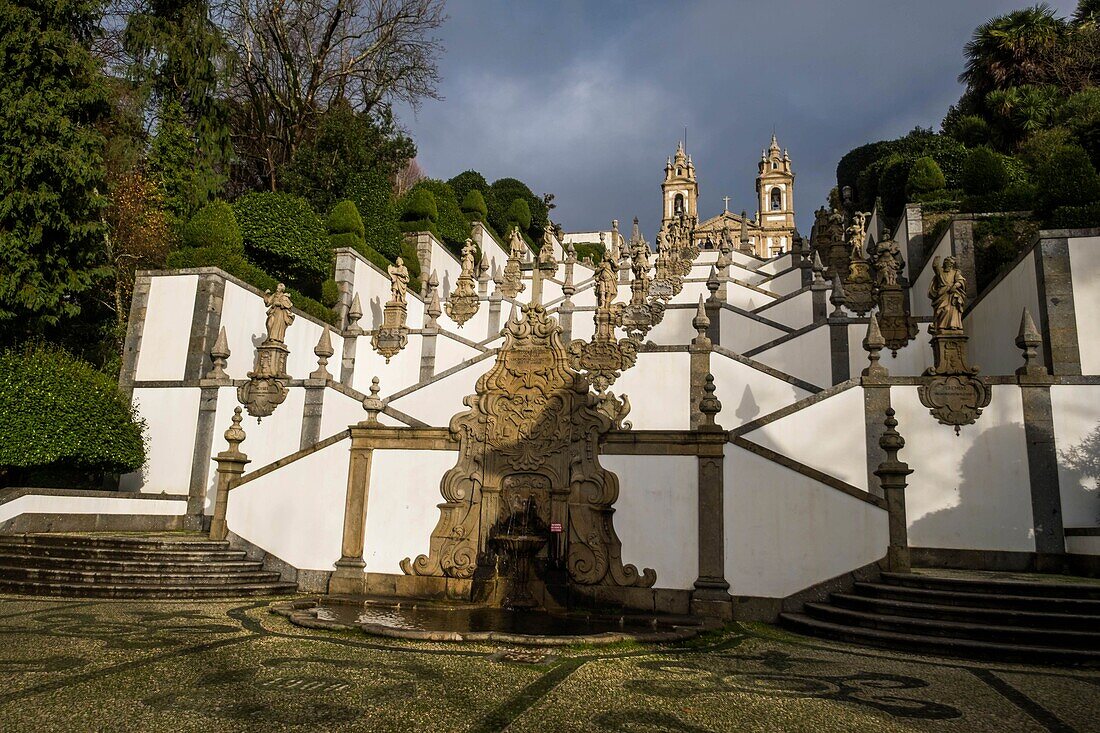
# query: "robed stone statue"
{"type": "Point", "coordinates": [399, 281]}
{"type": "Point", "coordinates": [279, 315]}
{"type": "Point", "coordinates": [947, 291]}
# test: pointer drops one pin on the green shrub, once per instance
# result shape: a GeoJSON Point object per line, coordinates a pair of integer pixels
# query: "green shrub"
{"type": "Point", "coordinates": [284, 236]}
{"type": "Point", "coordinates": [214, 225]}
{"type": "Point", "coordinates": [506, 190]}
{"type": "Point", "coordinates": [970, 130]}
{"type": "Point", "coordinates": [344, 219]}
{"type": "Point", "coordinates": [892, 184]}
{"type": "Point", "coordinates": [595, 250]}
{"type": "Point", "coordinates": [1076, 217]}
{"type": "Point", "coordinates": [330, 293]}
{"type": "Point", "coordinates": [64, 421]}
{"type": "Point", "coordinates": [241, 268]}
{"type": "Point", "coordinates": [1067, 178]}
{"type": "Point", "coordinates": [474, 207]}
{"type": "Point", "coordinates": [451, 225]}
{"type": "Point", "coordinates": [983, 173]}
{"type": "Point", "coordinates": [998, 241]}
{"type": "Point", "coordinates": [419, 204]}
{"type": "Point", "coordinates": [1014, 197]}
{"type": "Point", "coordinates": [373, 197]}
{"type": "Point", "coordinates": [468, 181]}
{"type": "Point", "coordinates": [518, 213]}
{"type": "Point", "coordinates": [412, 262]}
{"type": "Point", "coordinates": [925, 176]}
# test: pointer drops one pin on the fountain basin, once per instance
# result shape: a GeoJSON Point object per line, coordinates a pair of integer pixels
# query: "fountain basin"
{"type": "Point", "coordinates": [428, 621]}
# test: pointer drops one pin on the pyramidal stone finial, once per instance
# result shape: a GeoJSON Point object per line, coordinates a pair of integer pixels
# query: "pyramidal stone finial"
{"type": "Point", "coordinates": [837, 297]}
{"type": "Point", "coordinates": [219, 355]}
{"type": "Point", "coordinates": [323, 350]}
{"type": "Point", "coordinates": [433, 280]}
{"type": "Point", "coordinates": [434, 308]}
{"type": "Point", "coordinates": [701, 323]}
{"type": "Point", "coordinates": [873, 343]}
{"type": "Point", "coordinates": [356, 311]}
{"type": "Point", "coordinates": [712, 282]}
{"type": "Point", "coordinates": [1028, 341]}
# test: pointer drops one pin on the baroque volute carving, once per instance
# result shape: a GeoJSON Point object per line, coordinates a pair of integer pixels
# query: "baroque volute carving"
{"type": "Point", "coordinates": [530, 437]}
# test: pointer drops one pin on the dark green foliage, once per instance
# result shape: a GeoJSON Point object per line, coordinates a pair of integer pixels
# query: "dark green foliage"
{"type": "Point", "coordinates": [325, 168]}
{"type": "Point", "coordinates": [468, 181]}
{"type": "Point", "coordinates": [1004, 51]}
{"type": "Point", "coordinates": [52, 248]}
{"type": "Point", "coordinates": [451, 224]}
{"type": "Point", "coordinates": [947, 152]}
{"type": "Point", "coordinates": [1081, 115]}
{"type": "Point", "coordinates": [474, 207]}
{"type": "Point", "coordinates": [983, 173]}
{"type": "Point", "coordinates": [924, 177]}
{"type": "Point", "coordinates": [373, 196]}
{"type": "Point", "coordinates": [240, 267]}
{"type": "Point", "coordinates": [214, 225]}
{"type": "Point", "coordinates": [1014, 197]}
{"type": "Point", "coordinates": [178, 60]}
{"type": "Point", "coordinates": [998, 241]}
{"type": "Point", "coordinates": [518, 213]}
{"type": "Point", "coordinates": [970, 130]}
{"type": "Point", "coordinates": [344, 219]}
{"type": "Point", "coordinates": [1066, 178]}
{"type": "Point", "coordinates": [61, 415]}
{"type": "Point", "coordinates": [892, 184]}
{"type": "Point", "coordinates": [503, 193]}
{"type": "Point", "coordinates": [856, 161]}
{"type": "Point", "coordinates": [412, 261]}
{"type": "Point", "coordinates": [286, 239]}
{"type": "Point", "coordinates": [330, 293]}
{"type": "Point", "coordinates": [419, 205]}
{"type": "Point", "coordinates": [594, 250]}
{"type": "Point", "coordinates": [1076, 217]}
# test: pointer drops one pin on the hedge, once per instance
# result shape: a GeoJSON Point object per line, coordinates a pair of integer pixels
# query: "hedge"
{"type": "Point", "coordinates": [506, 190]}
{"type": "Point", "coordinates": [519, 213]}
{"type": "Point", "coordinates": [64, 421]}
{"type": "Point", "coordinates": [1076, 217]}
{"type": "Point", "coordinates": [983, 173]}
{"type": "Point", "coordinates": [474, 207]}
{"type": "Point", "coordinates": [214, 225]}
{"type": "Point", "coordinates": [373, 197]}
{"type": "Point", "coordinates": [452, 226]}
{"type": "Point", "coordinates": [1067, 178]}
{"type": "Point", "coordinates": [284, 236]}
{"type": "Point", "coordinates": [468, 181]}
{"type": "Point", "coordinates": [1015, 197]}
{"type": "Point", "coordinates": [240, 267]}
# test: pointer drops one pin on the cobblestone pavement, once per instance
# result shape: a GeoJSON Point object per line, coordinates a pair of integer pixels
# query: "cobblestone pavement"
{"type": "Point", "coordinates": [233, 666]}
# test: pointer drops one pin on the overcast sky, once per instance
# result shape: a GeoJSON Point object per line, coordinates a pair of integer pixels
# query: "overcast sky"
{"type": "Point", "coordinates": [585, 100]}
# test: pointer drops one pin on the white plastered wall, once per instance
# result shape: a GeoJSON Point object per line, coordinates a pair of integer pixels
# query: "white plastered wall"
{"type": "Point", "coordinates": [403, 369]}
{"type": "Point", "coordinates": [911, 360]}
{"type": "Point", "coordinates": [296, 512]}
{"type": "Point", "coordinates": [167, 328]}
{"type": "Point", "coordinates": [171, 418]}
{"type": "Point", "coordinates": [788, 282]}
{"type": "Point", "coordinates": [811, 436]}
{"type": "Point", "coordinates": [1084, 262]}
{"type": "Point", "coordinates": [747, 393]}
{"type": "Point", "coordinates": [970, 491]}
{"type": "Point", "coordinates": [1076, 410]}
{"type": "Point", "coordinates": [449, 352]}
{"type": "Point", "coordinates": [53, 504]}
{"type": "Point", "coordinates": [338, 411]}
{"type": "Point", "coordinates": [402, 507]}
{"type": "Point", "coordinates": [994, 321]}
{"type": "Point", "coordinates": [785, 532]}
{"type": "Point", "coordinates": [806, 356]}
{"type": "Point", "coordinates": [659, 386]}
{"type": "Point", "coordinates": [436, 402]}
{"type": "Point", "coordinates": [740, 333]}
{"type": "Point", "coordinates": [920, 305]}
{"type": "Point", "coordinates": [796, 311]}
{"type": "Point", "coordinates": [657, 515]}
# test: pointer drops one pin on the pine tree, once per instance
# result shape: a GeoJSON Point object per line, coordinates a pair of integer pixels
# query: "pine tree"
{"type": "Point", "coordinates": [52, 247]}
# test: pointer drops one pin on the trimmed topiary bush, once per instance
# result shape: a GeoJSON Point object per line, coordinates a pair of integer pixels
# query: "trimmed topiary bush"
{"type": "Point", "coordinates": [214, 225]}
{"type": "Point", "coordinates": [330, 293]}
{"type": "Point", "coordinates": [467, 181]}
{"type": "Point", "coordinates": [344, 219]}
{"type": "Point", "coordinates": [373, 197]}
{"type": "Point", "coordinates": [518, 213]}
{"type": "Point", "coordinates": [474, 207]}
{"type": "Point", "coordinates": [1066, 178]}
{"type": "Point", "coordinates": [65, 423]}
{"type": "Point", "coordinates": [451, 225]}
{"type": "Point", "coordinates": [419, 205]}
{"type": "Point", "coordinates": [970, 130]}
{"type": "Point", "coordinates": [983, 173]}
{"type": "Point", "coordinates": [924, 177]}
{"type": "Point", "coordinates": [286, 239]}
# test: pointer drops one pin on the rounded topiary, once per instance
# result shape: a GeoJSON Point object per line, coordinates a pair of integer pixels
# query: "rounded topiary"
{"type": "Point", "coordinates": [474, 207]}
{"type": "Point", "coordinates": [330, 293]}
{"type": "Point", "coordinates": [420, 205]}
{"type": "Point", "coordinates": [214, 225]}
{"type": "Point", "coordinates": [344, 219]}
{"type": "Point", "coordinates": [925, 176]}
{"type": "Point", "coordinates": [373, 197]}
{"type": "Point", "coordinates": [64, 418]}
{"type": "Point", "coordinates": [1066, 178]}
{"type": "Point", "coordinates": [284, 237]}
{"type": "Point", "coordinates": [983, 173]}
{"type": "Point", "coordinates": [519, 213]}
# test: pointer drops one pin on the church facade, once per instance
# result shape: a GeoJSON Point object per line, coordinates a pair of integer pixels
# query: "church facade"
{"type": "Point", "coordinates": [768, 233]}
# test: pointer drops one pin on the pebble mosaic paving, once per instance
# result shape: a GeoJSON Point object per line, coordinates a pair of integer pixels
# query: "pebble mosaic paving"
{"type": "Point", "coordinates": [233, 666]}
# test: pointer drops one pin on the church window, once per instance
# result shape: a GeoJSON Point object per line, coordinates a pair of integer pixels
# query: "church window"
{"type": "Point", "coordinates": [775, 165]}
{"type": "Point", "coordinates": [777, 199]}
{"type": "Point", "coordinates": [678, 204]}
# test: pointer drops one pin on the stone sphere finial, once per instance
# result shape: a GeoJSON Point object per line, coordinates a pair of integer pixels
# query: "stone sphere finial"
{"type": "Point", "coordinates": [709, 405]}
{"type": "Point", "coordinates": [372, 404]}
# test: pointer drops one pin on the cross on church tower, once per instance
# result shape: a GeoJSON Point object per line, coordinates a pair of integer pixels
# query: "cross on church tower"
{"type": "Point", "coordinates": [726, 208]}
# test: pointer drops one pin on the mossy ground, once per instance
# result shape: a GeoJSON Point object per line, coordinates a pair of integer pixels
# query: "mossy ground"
{"type": "Point", "coordinates": [228, 666]}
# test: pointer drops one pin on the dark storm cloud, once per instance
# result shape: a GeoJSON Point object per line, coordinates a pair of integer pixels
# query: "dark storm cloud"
{"type": "Point", "coordinates": [586, 99]}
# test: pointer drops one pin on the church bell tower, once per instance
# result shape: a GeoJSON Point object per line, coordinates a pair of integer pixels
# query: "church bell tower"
{"type": "Point", "coordinates": [775, 196]}
{"type": "Point", "coordinates": [680, 189]}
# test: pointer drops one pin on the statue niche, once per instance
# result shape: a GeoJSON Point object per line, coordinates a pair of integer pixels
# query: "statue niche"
{"type": "Point", "coordinates": [529, 454]}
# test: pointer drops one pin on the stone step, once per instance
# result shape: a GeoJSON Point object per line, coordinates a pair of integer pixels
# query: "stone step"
{"type": "Point", "coordinates": [1076, 606]}
{"type": "Point", "coordinates": [182, 542]}
{"type": "Point", "coordinates": [122, 564]}
{"type": "Point", "coordinates": [123, 553]}
{"type": "Point", "coordinates": [174, 578]}
{"type": "Point", "coordinates": [1055, 638]}
{"type": "Point", "coordinates": [68, 590]}
{"type": "Point", "coordinates": [995, 616]}
{"type": "Point", "coordinates": [1010, 587]}
{"type": "Point", "coordinates": [938, 645]}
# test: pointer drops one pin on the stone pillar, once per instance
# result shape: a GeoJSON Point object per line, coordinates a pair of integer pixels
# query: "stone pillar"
{"type": "Point", "coordinates": [345, 283]}
{"type": "Point", "coordinates": [565, 318]}
{"type": "Point", "coordinates": [891, 473]}
{"type": "Point", "coordinates": [204, 442]}
{"type": "Point", "coordinates": [231, 465]}
{"type": "Point", "coordinates": [962, 249]}
{"type": "Point", "coordinates": [838, 334]}
{"type": "Point", "coordinates": [819, 291]}
{"type": "Point", "coordinates": [135, 329]}
{"type": "Point", "coordinates": [311, 412]}
{"type": "Point", "coordinates": [714, 308]}
{"type": "Point", "coordinates": [1057, 313]}
{"type": "Point", "coordinates": [876, 400]}
{"type": "Point", "coordinates": [348, 578]}
{"type": "Point", "coordinates": [495, 299]}
{"type": "Point", "coordinates": [710, 596]}
{"type": "Point", "coordinates": [206, 322]}
{"type": "Point", "coordinates": [914, 244]}
{"type": "Point", "coordinates": [1042, 453]}
{"type": "Point", "coordinates": [429, 335]}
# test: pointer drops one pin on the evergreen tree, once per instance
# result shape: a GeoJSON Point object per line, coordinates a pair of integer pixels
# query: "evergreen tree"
{"type": "Point", "coordinates": [52, 247]}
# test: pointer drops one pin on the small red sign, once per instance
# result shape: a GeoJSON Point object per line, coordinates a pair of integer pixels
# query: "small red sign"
{"type": "Point", "coordinates": [555, 527]}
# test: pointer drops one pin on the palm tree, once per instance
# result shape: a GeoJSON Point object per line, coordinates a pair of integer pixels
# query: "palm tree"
{"type": "Point", "coordinates": [1005, 51]}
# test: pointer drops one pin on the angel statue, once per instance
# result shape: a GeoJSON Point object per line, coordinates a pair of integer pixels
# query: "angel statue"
{"type": "Point", "coordinates": [947, 292]}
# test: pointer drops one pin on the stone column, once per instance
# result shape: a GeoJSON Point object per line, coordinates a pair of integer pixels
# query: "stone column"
{"type": "Point", "coordinates": [838, 334]}
{"type": "Point", "coordinates": [204, 442]}
{"type": "Point", "coordinates": [495, 299]}
{"type": "Point", "coordinates": [876, 400]}
{"type": "Point", "coordinates": [1042, 453]}
{"type": "Point", "coordinates": [710, 596]}
{"type": "Point", "coordinates": [819, 291]}
{"type": "Point", "coordinates": [699, 367]}
{"type": "Point", "coordinates": [714, 308]}
{"type": "Point", "coordinates": [891, 473]}
{"type": "Point", "coordinates": [231, 465]}
{"type": "Point", "coordinates": [962, 249]}
{"type": "Point", "coordinates": [135, 329]}
{"type": "Point", "coordinates": [1057, 313]}
{"type": "Point", "coordinates": [206, 320]}
{"type": "Point", "coordinates": [429, 335]}
{"type": "Point", "coordinates": [348, 578]}
{"type": "Point", "coordinates": [914, 244]}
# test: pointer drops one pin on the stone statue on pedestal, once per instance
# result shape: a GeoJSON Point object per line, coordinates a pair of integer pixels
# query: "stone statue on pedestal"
{"type": "Point", "coordinates": [948, 294]}
{"type": "Point", "coordinates": [279, 316]}
{"type": "Point", "coordinates": [399, 281]}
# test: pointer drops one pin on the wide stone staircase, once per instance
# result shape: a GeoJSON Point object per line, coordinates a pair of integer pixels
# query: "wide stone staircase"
{"type": "Point", "coordinates": [170, 565]}
{"type": "Point", "coordinates": [1002, 616]}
